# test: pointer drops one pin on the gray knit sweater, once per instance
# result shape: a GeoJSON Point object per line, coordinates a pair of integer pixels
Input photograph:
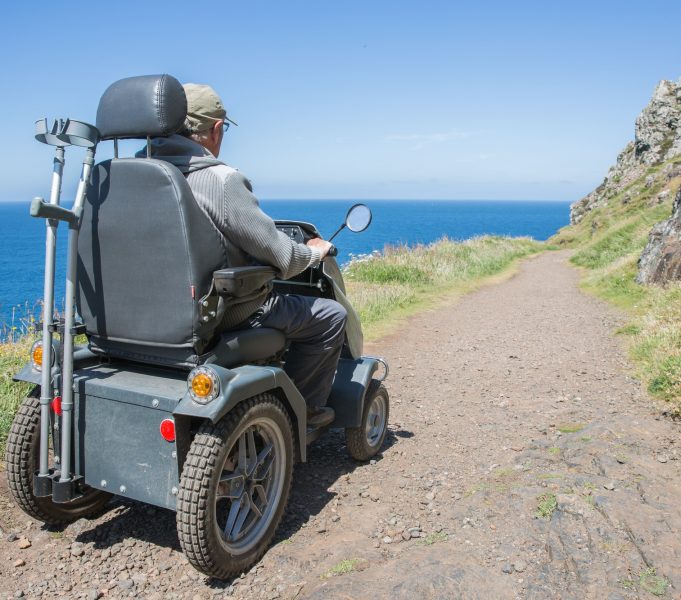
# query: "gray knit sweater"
{"type": "Point", "coordinates": [226, 196]}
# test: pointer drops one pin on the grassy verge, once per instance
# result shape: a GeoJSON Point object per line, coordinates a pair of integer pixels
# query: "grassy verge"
{"type": "Point", "coordinates": [405, 280]}
{"type": "Point", "coordinates": [608, 243]}
{"type": "Point", "coordinates": [13, 355]}
{"type": "Point", "coordinates": [383, 289]}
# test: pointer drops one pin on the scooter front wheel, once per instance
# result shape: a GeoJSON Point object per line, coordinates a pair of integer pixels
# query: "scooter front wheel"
{"type": "Point", "coordinates": [365, 441]}
{"type": "Point", "coordinates": [234, 487]}
{"type": "Point", "coordinates": [22, 456]}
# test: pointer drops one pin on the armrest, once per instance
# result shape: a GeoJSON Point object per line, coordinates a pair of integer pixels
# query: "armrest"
{"type": "Point", "coordinates": [238, 282]}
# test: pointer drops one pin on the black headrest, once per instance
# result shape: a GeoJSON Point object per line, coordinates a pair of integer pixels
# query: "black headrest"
{"type": "Point", "coordinates": [137, 107]}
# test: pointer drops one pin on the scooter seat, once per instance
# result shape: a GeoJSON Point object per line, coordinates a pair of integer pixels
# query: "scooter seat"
{"type": "Point", "coordinates": [244, 346]}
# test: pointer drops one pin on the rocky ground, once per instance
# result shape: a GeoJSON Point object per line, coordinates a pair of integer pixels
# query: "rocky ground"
{"type": "Point", "coordinates": [522, 461]}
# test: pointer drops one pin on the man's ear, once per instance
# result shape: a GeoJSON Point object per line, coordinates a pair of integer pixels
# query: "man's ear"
{"type": "Point", "coordinates": [216, 131]}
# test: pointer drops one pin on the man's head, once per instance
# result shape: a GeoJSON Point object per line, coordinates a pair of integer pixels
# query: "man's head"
{"type": "Point", "coordinates": [206, 116]}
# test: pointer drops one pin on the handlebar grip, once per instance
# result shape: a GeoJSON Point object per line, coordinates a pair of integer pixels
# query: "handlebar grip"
{"type": "Point", "coordinates": [333, 251]}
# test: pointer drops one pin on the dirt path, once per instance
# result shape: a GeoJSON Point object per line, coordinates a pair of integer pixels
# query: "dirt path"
{"type": "Point", "coordinates": [513, 398]}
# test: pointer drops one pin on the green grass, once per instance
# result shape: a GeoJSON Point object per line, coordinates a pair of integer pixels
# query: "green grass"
{"type": "Point", "coordinates": [380, 271]}
{"type": "Point", "coordinates": [629, 329]}
{"type": "Point", "coordinates": [653, 583]}
{"type": "Point", "coordinates": [613, 245]}
{"type": "Point", "coordinates": [13, 355]}
{"type": "Point", "coordinates": [345, 566]}
{"type": "Point", "coordinates": [570, 427]}
{"type": "Point", "coordinates": [668, 378]}
{"type": "Point", "coordinates": [433, 538]}
{"type": "Point", "coordinates": [617, 284]}
{"type": "Point", "coordinates": [546, 506]}
{"type": "Point", "coordinates": [608, 243]}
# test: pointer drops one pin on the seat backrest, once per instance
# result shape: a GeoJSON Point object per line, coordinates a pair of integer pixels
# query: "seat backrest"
{"type": "Point", "coordinates": [146, 250]}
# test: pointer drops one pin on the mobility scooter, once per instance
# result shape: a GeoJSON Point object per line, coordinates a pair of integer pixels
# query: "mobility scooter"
{"type": "Point", "coordinates": [159, 405]}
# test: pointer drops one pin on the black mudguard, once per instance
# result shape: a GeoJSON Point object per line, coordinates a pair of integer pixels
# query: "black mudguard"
{"type": "Point", "coordinates": [245, 382]}
{"type": "Point", "coordinates": [353, 378]}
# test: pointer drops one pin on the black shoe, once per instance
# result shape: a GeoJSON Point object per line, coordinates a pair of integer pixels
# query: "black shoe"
{"type": "Point", "coordinates": [320, 417]}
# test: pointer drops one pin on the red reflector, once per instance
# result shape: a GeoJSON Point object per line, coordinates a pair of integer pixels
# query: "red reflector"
{"type": "Point", "coordinates": [168, 430]}
{"type": "Point", "coordinates": [56, 406]}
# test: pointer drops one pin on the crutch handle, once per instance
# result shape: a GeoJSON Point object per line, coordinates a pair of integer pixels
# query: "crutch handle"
{"type": "Point", "coordinates": [40, 208]}
{"type": "Point", "coordinates": [67, 132]}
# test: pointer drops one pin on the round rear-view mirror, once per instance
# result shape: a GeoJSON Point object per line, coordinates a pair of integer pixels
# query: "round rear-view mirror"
{"type": "Point", "coordinates": [358, 218]}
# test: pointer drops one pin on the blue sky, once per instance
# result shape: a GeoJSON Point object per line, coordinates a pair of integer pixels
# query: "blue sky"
{"type": "Point", "coordinates": [358, 99]}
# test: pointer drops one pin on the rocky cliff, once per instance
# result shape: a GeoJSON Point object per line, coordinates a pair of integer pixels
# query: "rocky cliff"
{"type": "Point", "coordinates": [661, 258]}
{"type": "Point", "coordinates": [657, 139]}
{"type": "Point", "coordinates": [646, 175]}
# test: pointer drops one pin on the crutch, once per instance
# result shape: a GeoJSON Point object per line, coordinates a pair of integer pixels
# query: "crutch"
{"type": "Point", "coordinates": [63, 133]}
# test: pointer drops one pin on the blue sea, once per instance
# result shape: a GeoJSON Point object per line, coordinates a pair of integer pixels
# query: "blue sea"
{"type": "Point", "coordinates": [22, 238]}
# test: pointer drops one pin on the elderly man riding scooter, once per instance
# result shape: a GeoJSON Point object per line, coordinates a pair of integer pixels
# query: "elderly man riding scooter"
{"type": "Point", "coordinates": [161, 406]}
{"type": "Point", "coordinates": [314, 327]}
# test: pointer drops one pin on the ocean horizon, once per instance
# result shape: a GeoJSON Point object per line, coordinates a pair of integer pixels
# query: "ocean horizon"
{"type": "Point", "coordinates": [395, 222]}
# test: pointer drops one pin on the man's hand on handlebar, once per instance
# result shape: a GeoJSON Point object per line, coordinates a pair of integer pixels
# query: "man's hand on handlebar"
{"type": "Point", "coordinates": [322, 245]}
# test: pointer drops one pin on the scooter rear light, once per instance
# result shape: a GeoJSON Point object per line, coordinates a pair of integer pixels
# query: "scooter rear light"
{"type": "Point", "coordinates": [203, 385]}
{"type": "Point", "coordinates": [56, 406]}
{"type": "Point", "coordinates": [37, 356]}
{"type": "Point", "coordinates": [168, 430]}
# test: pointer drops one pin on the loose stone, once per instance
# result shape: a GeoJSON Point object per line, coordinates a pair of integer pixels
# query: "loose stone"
{"type": "Point", "coordinates": [520, 566]}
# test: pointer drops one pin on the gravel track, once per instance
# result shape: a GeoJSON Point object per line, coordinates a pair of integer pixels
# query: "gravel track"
{"type": "Point", "coordinates": [511, 403]}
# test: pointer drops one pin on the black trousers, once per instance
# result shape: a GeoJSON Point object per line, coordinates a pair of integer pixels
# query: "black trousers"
{"type": "Point", "coordinates": [315, 328]}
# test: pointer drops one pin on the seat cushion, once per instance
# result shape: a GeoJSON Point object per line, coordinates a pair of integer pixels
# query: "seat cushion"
{"type": "Point", "coordinates": [244, 346]}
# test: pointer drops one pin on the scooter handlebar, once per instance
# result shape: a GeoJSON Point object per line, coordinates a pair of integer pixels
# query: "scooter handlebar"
{"type": "Point", "coordinates": [333, 251]}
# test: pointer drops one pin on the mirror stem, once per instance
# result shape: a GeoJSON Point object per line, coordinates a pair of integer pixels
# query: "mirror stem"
{"type": "Point", "coordinates": [337, 232]}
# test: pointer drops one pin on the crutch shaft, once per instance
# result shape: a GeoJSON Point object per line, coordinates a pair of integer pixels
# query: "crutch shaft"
{"type": "Point", "coordinates": [69, 318]}
{"type": "Point", "coordinates": [48, 311]}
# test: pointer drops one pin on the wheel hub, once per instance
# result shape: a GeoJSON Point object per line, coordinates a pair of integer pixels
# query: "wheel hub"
{"type": "Point", "coordinates": [249, 486]}
{"type": "Point", "coordinates": [375, 423]}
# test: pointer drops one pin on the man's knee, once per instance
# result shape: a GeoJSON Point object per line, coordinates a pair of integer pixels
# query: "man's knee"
{"type": "Point", "coordinates": [331, 317]}
{"type": "Point", "coordinates": [338, 313]}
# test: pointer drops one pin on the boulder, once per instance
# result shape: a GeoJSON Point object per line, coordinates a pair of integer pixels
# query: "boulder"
{"type": "Point", "coordinates": [661, 258]}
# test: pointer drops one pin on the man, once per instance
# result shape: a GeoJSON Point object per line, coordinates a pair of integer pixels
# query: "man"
{"type": "Point", "coordinates": [314, 326]}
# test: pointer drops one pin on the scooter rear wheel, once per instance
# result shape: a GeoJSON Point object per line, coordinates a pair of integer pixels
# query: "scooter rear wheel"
{"type": "Point", "coordinates": [22, 455]}
{"type": "Point", "coordinates": [234, 487]}
{"type": "Point", "coordinates": [365, 441]}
